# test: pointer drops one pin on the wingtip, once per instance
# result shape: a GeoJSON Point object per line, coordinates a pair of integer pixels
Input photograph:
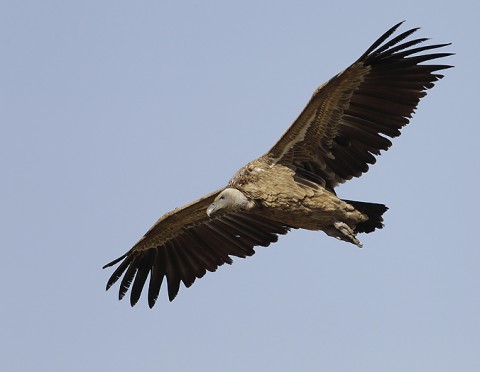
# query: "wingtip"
{"type": "Point", "coordinates": [381, 39]}
{"type": "Point", "coordinates": [133, 301]}
{"type": "Point", "coordinates": [398, 24]}
{"type": "Point", "coordinates": [151, 302]}
{"type": "Point", "coordinates": [115, 261]}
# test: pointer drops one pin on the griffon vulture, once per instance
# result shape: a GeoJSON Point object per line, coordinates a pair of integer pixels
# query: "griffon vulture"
{"type": "Point", "coordinates": [345, 124]}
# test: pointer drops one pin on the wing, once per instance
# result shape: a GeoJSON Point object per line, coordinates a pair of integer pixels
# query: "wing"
{"type": "Point", "coordinates": [348, 119]}
{"type": "Point", "coordinates": [185, 243]}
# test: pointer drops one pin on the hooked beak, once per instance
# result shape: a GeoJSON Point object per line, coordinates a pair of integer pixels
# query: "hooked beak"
{"type": "Point", "coordinates": [211, 209]}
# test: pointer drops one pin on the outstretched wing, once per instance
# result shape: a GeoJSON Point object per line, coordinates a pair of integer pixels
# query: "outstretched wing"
{"type": "Point", "coordinates": [185, 243]}
{"type": "Point", "coordinates": [348, 119]}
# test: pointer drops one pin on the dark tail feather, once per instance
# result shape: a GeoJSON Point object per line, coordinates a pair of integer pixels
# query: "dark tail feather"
{"type": "Point", "coordinates": [374, 213]}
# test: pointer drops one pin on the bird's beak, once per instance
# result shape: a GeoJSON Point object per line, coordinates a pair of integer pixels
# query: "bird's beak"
{"type": "Point", "coordinates": [211, 208]}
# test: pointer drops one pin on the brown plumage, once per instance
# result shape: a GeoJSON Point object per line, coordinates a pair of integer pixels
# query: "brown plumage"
{"type": "Point", "coordinates": [338, 134]}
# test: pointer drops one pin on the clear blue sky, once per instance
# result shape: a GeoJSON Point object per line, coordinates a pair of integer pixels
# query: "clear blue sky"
{"type": "Point", "coordinates": [114, 112]}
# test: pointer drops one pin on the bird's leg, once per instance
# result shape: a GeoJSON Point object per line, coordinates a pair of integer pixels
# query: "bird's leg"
{"type": "Point", "coordinates": [342, 231]}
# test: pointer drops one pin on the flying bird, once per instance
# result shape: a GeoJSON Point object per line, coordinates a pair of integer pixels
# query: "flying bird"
{"type": "Point", "coordinates": [346, 123]}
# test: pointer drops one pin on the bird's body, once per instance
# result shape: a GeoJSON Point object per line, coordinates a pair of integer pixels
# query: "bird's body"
{"type": "Point", "coordinates": [336, 137]}
{"type": "Point", "coordinates": [281, 194]}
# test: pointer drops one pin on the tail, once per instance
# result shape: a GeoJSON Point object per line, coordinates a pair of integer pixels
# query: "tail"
{"type": "Point", "coordinates": [374, 213]}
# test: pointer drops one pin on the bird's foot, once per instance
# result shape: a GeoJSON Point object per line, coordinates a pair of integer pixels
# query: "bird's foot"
{"type": "Point", "coordinates": [347, 233]}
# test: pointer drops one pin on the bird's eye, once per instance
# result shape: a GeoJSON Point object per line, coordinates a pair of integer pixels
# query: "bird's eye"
{"type": "Point", "coordinates": [222, 197]}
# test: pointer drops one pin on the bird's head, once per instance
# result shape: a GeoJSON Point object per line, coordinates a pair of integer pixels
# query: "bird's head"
{"type": "Point", "coordinates": [230, 200]}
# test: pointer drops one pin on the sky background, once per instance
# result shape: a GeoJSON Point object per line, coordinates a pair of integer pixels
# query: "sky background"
{"type": "Point", "coordinates": [114, 112]}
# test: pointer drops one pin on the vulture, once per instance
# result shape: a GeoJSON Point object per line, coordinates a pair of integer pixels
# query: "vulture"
{"type": "Point", "coordinates": [346, 123]}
